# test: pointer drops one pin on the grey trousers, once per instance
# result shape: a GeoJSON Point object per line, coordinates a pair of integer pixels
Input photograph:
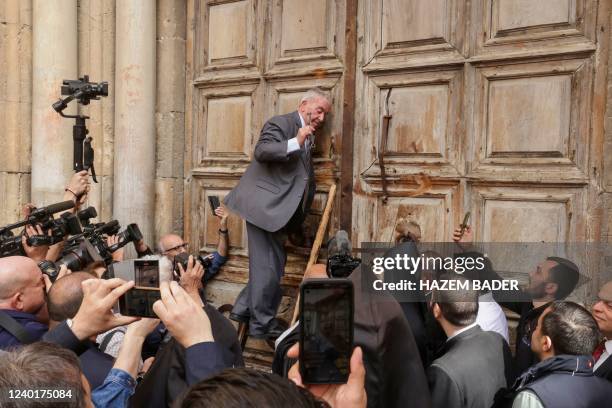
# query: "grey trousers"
{"type": "Point", "coordinates": [261, 296]}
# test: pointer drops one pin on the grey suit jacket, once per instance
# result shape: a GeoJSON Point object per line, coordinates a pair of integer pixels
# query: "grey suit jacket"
{"type": "Point", "coordinates": [475, 366]}
{"type": "Point", "coordinates": [272, 187]}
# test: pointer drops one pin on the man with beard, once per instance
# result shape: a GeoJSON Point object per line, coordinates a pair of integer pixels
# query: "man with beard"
{"type": "Point", "coordinates": [553, 279]}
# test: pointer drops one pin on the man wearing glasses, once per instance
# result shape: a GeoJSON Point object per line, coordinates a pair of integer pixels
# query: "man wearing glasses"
{"type": "Point", "coordinates": [170, 245]}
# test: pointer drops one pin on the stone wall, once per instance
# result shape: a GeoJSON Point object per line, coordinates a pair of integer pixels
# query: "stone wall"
{"type": "Point", "coordinates": [96, 49]}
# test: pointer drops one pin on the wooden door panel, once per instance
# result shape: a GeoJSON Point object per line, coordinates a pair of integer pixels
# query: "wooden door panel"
{"type": "Point", "coordinates": [425, 131]}
{"type": "Point", "coordinates": [305, 36]}
{"type": "Point", "coordinates": [401, 33]}
{"type": "Point", "coordinates": [205, 225]}
{"type": "Point", "coordinates": [225, 124]}
{"type": "Point", "coordinates": [528, 214]}
{"type": "Point", "coordinates": [226, 35]}
{"type": "Point", "coordinates": [432, 211]}
{"type": "Point", "coordinates": [532, 116]}
{"type": "Point", "coordinates": [533, 27]}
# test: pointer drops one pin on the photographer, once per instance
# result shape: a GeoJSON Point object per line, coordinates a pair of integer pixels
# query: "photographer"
{"type": "Point", "coordinates": [75, 191]}
{"type": "Point", "coordinates": [22, 302]}
{"type": "Point", "coordinates": [171, 245]}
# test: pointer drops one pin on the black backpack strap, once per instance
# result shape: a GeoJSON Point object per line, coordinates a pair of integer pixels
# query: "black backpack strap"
{"type": "Point", "coordinates": [12, 326]}
{"type": "Point", "coordinates": [107, 339]}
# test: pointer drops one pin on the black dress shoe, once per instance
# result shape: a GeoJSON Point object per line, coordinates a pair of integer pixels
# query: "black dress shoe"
{"type": "Point", "coordinates": [240, 318]}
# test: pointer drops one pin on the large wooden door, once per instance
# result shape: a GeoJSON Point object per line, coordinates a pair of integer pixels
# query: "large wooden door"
{"type": "Point", "coordinates": [496, 109]}
{"type": "Point", "coordinates": [247, 61]}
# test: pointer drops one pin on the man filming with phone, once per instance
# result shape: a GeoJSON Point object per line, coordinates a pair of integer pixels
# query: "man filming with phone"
{"type": "Point", "coordinates": [171, 245]}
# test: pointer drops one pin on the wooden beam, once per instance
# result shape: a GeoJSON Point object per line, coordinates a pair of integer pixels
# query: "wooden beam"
{"type": "Point", "coordinates": [348, 117]}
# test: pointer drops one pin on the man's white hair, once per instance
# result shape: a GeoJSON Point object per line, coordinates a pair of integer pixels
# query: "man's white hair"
{"type": "Point", "coordinates": [315, 93]}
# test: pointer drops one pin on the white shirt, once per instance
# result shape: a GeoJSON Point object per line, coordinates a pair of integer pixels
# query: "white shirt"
{"type": "Point", "coordinates": [292, 144]}
{"type": "Point", "coordinates": [491, 317]}
{"type": "Point", "coordinates": [466, 328]}
{"type": "Point", "coordinates": [606, 353]}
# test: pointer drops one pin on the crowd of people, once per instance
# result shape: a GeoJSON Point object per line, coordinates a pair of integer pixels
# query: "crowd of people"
{"type": "Point", "coordinates": [450, 349]}
{"type": "Point", "coordinates": [445, 352]}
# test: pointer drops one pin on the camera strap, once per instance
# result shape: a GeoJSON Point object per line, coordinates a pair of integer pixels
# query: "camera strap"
{"type": "Point", "coordinates": [12, 326]}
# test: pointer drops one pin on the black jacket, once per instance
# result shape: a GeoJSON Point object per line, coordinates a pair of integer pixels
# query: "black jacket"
{"type": "Point", "coordinates": [169, 376]}
{"type": "Point", "coordinates": [473, 367]}
{"type": "Point", "coordinates": [605, 369]}
{"type": "Point", "coordinates": [394, 373]}
{"type": "Point", "coordinates": [563, 381]}
{"type": "Point", "coordinates": [95, 365]}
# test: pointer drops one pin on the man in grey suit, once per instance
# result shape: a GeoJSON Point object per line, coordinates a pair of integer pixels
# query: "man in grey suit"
{"type": "Point", "coordinates": [274, 196]}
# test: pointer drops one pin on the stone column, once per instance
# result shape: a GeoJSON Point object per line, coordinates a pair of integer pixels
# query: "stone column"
{"type": "Point", "coordinates": [54, 58]}
{"type": "Point", "coordinates": [15, 106]}
{"type": "Point", "coordinates": [170, 115]}
{"type": "Point", "coordinates": [97, 58]}
{"type": "Point", "coordinates": [134, 163]}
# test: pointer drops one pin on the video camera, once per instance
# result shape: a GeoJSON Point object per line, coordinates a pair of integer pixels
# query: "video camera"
{"type": "Point", "coordinates": [54, 229]}
{"type": "Point", "coordinates": [82, 90]}
{"type": "Point", "coordinates": [91, 246]}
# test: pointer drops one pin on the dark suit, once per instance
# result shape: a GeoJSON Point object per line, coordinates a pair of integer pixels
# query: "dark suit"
{"type": "Point", "coordinates": [605, 369]}
{"type": "Point", "coordinates": [394, 373]}
{"type": "Point", "coordinates": [475, 366]}
{"type": "Point", "coordinates": [176, 368]}
{"type": "Point", "coordinates": [273, 196]}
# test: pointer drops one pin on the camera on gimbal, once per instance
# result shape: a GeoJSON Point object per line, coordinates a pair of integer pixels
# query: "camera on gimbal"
{"type": "Point", "coordinates": [82, 90]}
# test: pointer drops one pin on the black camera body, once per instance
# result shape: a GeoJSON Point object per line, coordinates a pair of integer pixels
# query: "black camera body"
{"type": "Point", "coordinates": [183, 259]}
{"type": "Point", "coordinates": [341, 265]}
{"type": "Point", "coordinates": [84, 90]}
{"type": "Point", "coordinates": [65, 225]}
{"type": "Point", "coordinates": [90, 246]}
{"type": "Point", "coordinates": [139, 300]}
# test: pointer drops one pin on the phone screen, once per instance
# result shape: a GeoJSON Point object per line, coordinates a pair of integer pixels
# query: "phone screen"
{"type": "Point", "coordinates": [214, 203]}
{"type": "Point", "coordinates": [326, 335]}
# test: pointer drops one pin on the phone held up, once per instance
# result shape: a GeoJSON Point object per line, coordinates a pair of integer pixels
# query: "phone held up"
{"type": "Point", "coordinates": [326, 330]}
{"type": "Point", "coordinates": [214, 203]}
{"type": "Point", "coordinates": [139, 300]}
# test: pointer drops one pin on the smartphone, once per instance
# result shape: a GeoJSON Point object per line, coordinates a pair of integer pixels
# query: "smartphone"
{"type": "Point", "coordinates": [214, 203]}
{"type": "Point", "coordinates": [326, 330]}
{"type": "Point", "coordinates": [464, 224]}
{"type": "Point", "coordinates": [139, 300]}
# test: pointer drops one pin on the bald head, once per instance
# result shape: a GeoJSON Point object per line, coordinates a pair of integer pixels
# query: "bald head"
{"type": "Point", "coordinates": [172, 245]}
{"type": "Point", "coordinates": [16, 273]}
{"type": "Point", "coordinates": [65, 296]}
